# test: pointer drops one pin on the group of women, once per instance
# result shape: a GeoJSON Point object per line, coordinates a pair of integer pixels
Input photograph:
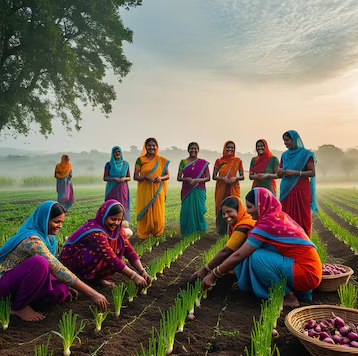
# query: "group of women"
{"type": "Point", "coordinates": [267, 241]}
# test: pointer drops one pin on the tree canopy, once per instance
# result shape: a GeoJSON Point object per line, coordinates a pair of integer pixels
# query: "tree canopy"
{"type": "Point", "coordinates": [54, 55]}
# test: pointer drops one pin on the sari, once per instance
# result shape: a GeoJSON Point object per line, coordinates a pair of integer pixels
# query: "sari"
{"type": "Point", "coordinates": [29, 270]}
{"type": "Point", "coordinates": [193, 197]}
{"type": "Point", "coordinates": [118, 190]}
{"type": "Point", "coordinates": [64, 188]}
{"type": "Point", "coordinates": [282, 249]}
{"type": "Point", "coordinates": [92, 252]}
{"type": "Point", "coordinates": [228, 166]}
{"type": "Point", "coordinates": [266, 163]}
{"type": "Point", "coordinates": [298, 194]}
{"type": "Point", "coordinates": [151, 196]}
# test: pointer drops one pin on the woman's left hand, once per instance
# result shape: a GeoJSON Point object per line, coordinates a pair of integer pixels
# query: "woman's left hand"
{"type": "Point", "coordinates": [147, 278]}
{"type": "Point", "coordinates": [158, 179]}
{"type": "Point", "coordinates": [208, 281]}
{"type": "Point", "coordinates": [73, 293]}
{"type": "Point", "coordinates": [290, 172]}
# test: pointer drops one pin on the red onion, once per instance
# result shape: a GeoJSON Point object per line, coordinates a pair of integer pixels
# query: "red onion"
{"type": "Point", "coordinates": [329, 340]}
{"type": "Point", "coordinates": [352, 336]}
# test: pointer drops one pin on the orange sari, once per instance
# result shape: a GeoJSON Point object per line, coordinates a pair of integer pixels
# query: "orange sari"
{"type": "Point", "coordinates": [228, 166]}
{"type": "Point", "coordinates": [151, 196]}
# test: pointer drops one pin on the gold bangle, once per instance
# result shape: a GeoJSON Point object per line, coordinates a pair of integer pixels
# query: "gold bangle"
{"type": "Point", "coordinates": [207, 267]}
{"type": "Point", "coordinates": [134, 273]}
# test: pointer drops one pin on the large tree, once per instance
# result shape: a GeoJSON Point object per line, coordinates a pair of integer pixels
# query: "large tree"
{"type": "Point", "coordinates": [54, 55]}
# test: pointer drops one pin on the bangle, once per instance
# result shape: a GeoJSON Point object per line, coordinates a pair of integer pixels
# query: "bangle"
{"type": "Point", "coordinates": [207, 267]}
{"type": "Point", "coordinates": [300, 173]}
{"type": "Point", "coordinates": [134, 273]}
{"type": "Point", "coordinates": [217, 273]}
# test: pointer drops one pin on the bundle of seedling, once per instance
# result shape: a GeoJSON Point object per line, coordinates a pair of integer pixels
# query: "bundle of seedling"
{"type": "Point", "coordinates": [5, 312]}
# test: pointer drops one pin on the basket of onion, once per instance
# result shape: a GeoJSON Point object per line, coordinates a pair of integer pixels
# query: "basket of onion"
{"type": "Point", "coordinates": [325, 330]}
{"type": "Point", "coordinates": [333, 276]}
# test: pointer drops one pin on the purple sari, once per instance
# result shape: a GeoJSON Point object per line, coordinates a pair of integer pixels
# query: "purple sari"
{"type": "Point", "coordinates": [196, 169]}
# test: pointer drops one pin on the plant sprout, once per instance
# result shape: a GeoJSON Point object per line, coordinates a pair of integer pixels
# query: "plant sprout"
{"type": "Point", "coordinates": [118, 294]}
{"type": "Point", "coordinates": [348, 295]}
{"type": "Point", "coordinates": [42, 350]}
{"type": "Point", "coordinates": [99, 318]}
{"type": "Point", "coordinates": [5, 312]}
{"type": "Point", "coordinates": [68, 332]}
{"type": "Point", "coordinates": [132, 291]}
{"type": "Point", "coordinates": [168, 328]}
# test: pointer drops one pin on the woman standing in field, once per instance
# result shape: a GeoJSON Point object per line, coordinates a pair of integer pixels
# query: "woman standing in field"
{"type": "Point", "coordinates": [29, 270]}
{"type": "Point", "coordinates": [228, 172]}
{"type": "Point", "coordinates": [193, 172]}
{"type": "Point", "coordinates": [64, 188]}
{"type": "Point", "coordinates": [298, 185]}
{"type": "Point", "coordinates": [94, 252]}
{"type": "Point", "coordinates": [151, 172]}
{"type": "Point", "coordinates": [276, 247]}
{"type": "Point", "coordinates": [240, 225]}
{"type": "Point", "coordinates": [117, 175]}
{"type": "Point", "coordinates": [264, 167]}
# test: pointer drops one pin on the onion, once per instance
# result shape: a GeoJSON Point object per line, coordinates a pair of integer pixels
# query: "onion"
{"type": "Point", "coordinates": [310, 324]}
{"type": "Point", "coordinates": [343, 330]}
{"type": "Point", "coordinates": [338, 322]}
{"type": "Point", "coordinates": [311, 333]}
{"type": "Point", "coordinates": [354, 344]}
{"type": "Point", "coordinates": [337, 339]}
{"type": "Point", "coordinates": [318, 328]}
{"type": "Point", "coordinates": [323, 335]}
{"type": "Point", "coordinates": [329, 340]}
{"type": "Point", "coordinates": [345, 340]}
{"type": "Point", "coordinates": [352, 336]}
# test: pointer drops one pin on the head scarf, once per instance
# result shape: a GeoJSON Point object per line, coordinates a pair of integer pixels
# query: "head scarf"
{"type": "Point", "coordinates": [62, 169]}
{"type": "Point", "coordinates": [274, 224]}
{"type": "Point", "coordinates": [243, 218]}
{"type": "Point", "coordinates": [296, 159]}
{"type": "Point", "coordinates": [118, 168]}
{"type": "Point", "coordinates": [260, 162]}
{"type": "Point", "coordinates": [37, 225]}
{"type": "Point", "coordinates": [144, 150]}
{"type": "Point", "coordinates": [97, 224]}
{"type": "Point", "coordinates": [227, 158]}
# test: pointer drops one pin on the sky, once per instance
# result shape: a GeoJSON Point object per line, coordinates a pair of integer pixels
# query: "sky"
{"type": "Point", "coordinates": [216, 70]}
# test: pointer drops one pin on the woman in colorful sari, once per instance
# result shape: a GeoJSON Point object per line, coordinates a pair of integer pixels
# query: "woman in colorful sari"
{"type": "Point", "coordinates": [193, 172]}
{"type": "Point", "coordinates": [117, 175]}
{"type": "Point", "coordinates": [240, 224]}
{"type": "Point", "coordinates": [298, 185]}
{"type": "Point", "coordinates": [151, 173]}
{"type": "Point", "coordinates": [94, 252]}
{"type": "Point", "coordinates": [29, 270]}
{"type": "Point", "coordinates": [264, 167]}
{"type": "Point", "coordinates": [228, 172]}
{"type": "Point", "coordinates": [64, 188]}
{"type": "Point", "coordinates": [277, 247]}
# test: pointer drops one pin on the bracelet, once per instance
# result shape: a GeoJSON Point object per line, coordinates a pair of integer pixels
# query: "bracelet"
{"type": "Point", "coordinates": [207, 267]}
{"type": "Point", "coordinates": [217, 273]}
{"type": "Point", "coordinates": [300, 173]}
{"type": "Point", "coordinates": [134, 273]}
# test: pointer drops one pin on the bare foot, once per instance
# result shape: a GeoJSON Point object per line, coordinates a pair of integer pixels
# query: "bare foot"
{"type": "Point", "coordinates": [106, 283]}
{"type": "Point", "coordinates": [28, 314]}
{"type": "Point", "coordinates": [290, 300]}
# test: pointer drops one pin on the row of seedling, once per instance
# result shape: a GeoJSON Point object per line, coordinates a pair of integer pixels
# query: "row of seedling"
{"type": "Point", "coordinates": [347, 216]}
{"type": "Point", "coordinates": [161, 342]}
{"type": "Point", "coordinates": [264, 328]}
{"type": "Point", "coordinates": [147, 244]}
{"type": "Point", "coordinates": [341, 233]}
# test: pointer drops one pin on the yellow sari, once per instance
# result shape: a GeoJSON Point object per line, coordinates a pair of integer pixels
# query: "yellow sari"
{"type": "Point", "coordinates": [150, 205]}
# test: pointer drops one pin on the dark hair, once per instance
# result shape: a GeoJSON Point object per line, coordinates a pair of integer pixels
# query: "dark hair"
{"type": "Point", "coordinates": [116, 209]}
{"type": "Point", "coordinates": [287, 134]}
{"type": "Point", "coordinates": [232, 202]}
{"type": "Point", "coordinates": [258, 141]}
{"type": "Point", "coordinates": [250, 197]}
{"type": "Point", "coordinates": [151, 139]}
{"type": "Point", "coordinates": [193, 144]}
{"type": "Point", "coordinates": [56, 210]}
{"type": "Point", "coordinates": [230, 142]}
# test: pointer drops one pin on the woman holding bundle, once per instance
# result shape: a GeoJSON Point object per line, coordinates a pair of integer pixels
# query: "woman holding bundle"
{"type": "Point", "coordinates": [240, 224]}
{"type": "Point", "coordinates": [151, 173]}
{"type": "Point", "coordinates": [29, 270]}
{"type": "Point", "coordinates": [298, 185]}
{"type": "Point", "coordinates": [117, 175]}
{"type": "Point", "coordinates": [264, 167]}
{"type": "Point", "coordinates": [95, 251]}
{"type": "Point", "coordinates": [64, 188]}
{"type": "Point", "coordinates": [228, 172]}
{"type": "Point", "coordinates": [193, 172]}
{"type": "Point", "coordinates": [276, 247]}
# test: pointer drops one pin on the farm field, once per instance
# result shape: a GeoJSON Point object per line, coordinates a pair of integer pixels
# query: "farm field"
{"type": "Point", "coordinates": [222, 324]}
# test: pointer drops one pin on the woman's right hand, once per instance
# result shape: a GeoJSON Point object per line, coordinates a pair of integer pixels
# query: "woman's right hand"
{"type": "Point", "coordinates": [100, 300]}
{"type": "Point", "coordinates": [139, 281]}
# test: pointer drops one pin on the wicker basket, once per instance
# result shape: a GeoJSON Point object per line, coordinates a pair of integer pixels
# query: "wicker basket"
{"type": "Point", "coordinates": [297, 319]}
{"type": "Point", "coordinates": [332, 282]}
